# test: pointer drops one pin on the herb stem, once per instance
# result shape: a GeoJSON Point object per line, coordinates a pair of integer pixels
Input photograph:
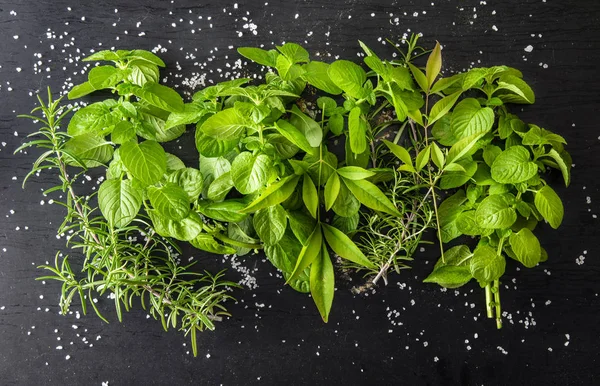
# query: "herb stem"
{"type": "Point", "coordinates": [488, 300]}
{"type": "Point", "coordinates": [496, 292]}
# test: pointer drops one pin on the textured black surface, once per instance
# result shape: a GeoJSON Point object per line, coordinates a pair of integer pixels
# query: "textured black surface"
{"type": "Point", "coordinates": [275, 334]}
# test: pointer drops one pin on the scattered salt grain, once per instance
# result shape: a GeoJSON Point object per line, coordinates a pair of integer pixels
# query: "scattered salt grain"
{"type": "Point", "coordinates": [529, 48]}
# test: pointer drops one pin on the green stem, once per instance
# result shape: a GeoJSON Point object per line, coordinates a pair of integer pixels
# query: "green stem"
{"type": "Point", "coordinates": [496, 292]}
{"type": "Point", "coordinates": [488, 300]}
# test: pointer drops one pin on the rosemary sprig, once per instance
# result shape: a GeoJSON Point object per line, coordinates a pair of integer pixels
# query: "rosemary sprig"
{"type": "Point", "coordinates": [114, 261]}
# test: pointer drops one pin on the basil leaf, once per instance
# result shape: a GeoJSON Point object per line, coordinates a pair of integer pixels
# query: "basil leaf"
{"type": "Point", "coordinates": [146, 161]}
{"type": "Point", "coordinates": [450, 276]}
{"type": "Point", "coordinates": [260, 56]}
{"type": "Point", "coordinates": [550, 206]}
{"type": "Point", "coordinates": [92, 118]}
{"type": "Point", "coordinates": [104, 77]}
{"type": "Point", "coordinates": [495, 212]}
{"type": "Point", "coordinates": [294, 135]}
{"type": "Point", "coordinates": [307, 126]}
{"type": "Point", "coordinates": [142, 72]}
{"type": "Point", "coordinates": [208, 243]}
{"type": "Point", "coordinates": [349, 77]}
{"type": "Point", "coordinates": [160, 96]}
{"type": "Point", "coordinates": [170, 201]}
{"type": "Point", "coordinates": [270, 224]}
{"type": "Point", "coordinates": [226, 125]}
{"type": "Point", "coordinates": [228, 211]}
{"type": "Point", "coordinates": [220, 187]}
{"type": "Point", "coordinates": [89, 149]}
{"type": "Point", "coordinates": [469, 118]}
{"type": "Point", "coordinates": [185, 229]}
{"type": "Point", "coordinates": [513, 165]}
{"type": "Point", "coordinates": [212, 147]}
{"type": "Point", "coordinates": [250, 173]}
{"type": "Point", "coordinates": [119, 202]}
{"type": "Point", "coordinates": [188, 179]}
{"type": "Point", "coordinates": [526, 247]}
{"type": "Point", "coordinates": [316, 73]}
{"type": "Point", "coordinates": [486, 265]}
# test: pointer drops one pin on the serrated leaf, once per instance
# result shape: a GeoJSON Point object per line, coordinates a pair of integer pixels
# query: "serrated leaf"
{"type": "Point", "coordinates": [226, 125]}
{"type": "Point", "coordinates": [495, 212]}
{"type": "Point", "coordinates": [349, 77]}
{"type": "Point", "coordinates": [249, 173]}
{"type": "Point", "coordinates": [486, 265]}
{"type": "Point", "coordinates": [526, 247]}
{"type": "Point", "coordinates": [270, 224]}
{"type": "Point", "coordinates": [520, 92]}
{"type": "Point", "coordinates": [119, 202]}
{"type": "Point", "coordinates": [146, 161]}
{"type": "Point", "coordinates": [170, 201]}
{"type": "Point", "coordinates": [469, 118]}
{"type": "Point", "coordinates": [513, 165]}
{"type": "Point", "coordinates": [550, 206]}
{"type": "Point", "coordinates": [89, 148]}
{"type": "Point", "coordinates": [188, 179]}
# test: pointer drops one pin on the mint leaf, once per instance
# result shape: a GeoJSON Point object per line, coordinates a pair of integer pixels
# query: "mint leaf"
{"type": "Point", "coordinates": [469, 118]}
{"type": "Point", "coordinates": [119, 202]}
{"type": "Point", "coordinates": [550, 206]}
{"type": "Point", "coordinates": [146, 161]}
{"type": "Point", "coordinates": [513, 165]}
{"type": "Point", "coordinates": [486, 265]}
{"type": "Point", "coordinates": [526, 247]}
{"type": "Point", "coordinates": [495, 212]}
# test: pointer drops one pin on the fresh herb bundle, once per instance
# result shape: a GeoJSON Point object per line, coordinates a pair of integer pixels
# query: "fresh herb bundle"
{"type": "Point", "coordinates": [271, 176]}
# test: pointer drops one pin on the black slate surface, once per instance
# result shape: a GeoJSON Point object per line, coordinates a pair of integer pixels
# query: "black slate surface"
{"type": "Point", "coordinates": [407, 333]}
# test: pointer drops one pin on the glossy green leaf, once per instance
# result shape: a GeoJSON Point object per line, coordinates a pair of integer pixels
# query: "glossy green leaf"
{"type": "Point", "coordinates": [322, 283]}
{"type": "Point", "coordinates": [146, 161]}
{"type": "Point", "coordinates": [250, 172]}
{"type": "Point", "coordinates": [355, 173]}
{"type": "Point", "coordinates": [104, 77]}
{"type": "Point", "coordinates": [495, 212]}
{"type": "Point", "coordinates": [188, 179]}
{"type": "Point", "coordinates": [310, 195]}
{"type": "Point", "coordinates": [160, 96]}
{"type": "Point", "coordinates": [274, 194]}
{"type": "Point", "coordinates": [226, 125]}
{"type": "Point", "coordinates": [332, 189]}
{"type": "Point", "coordinates": [486, 265]}
{"type": "Point", "coordinates": [513, 165]}
{"type": "Point", "coordinates": [343, 246]}
{"type": "Point", "coordinates": [349, 77]}
{"type": "Point", "coordinates": [260, 56]}
{"type": "Point", "coordinates": [228, 210]}
{"type": "Point", "coordinates": [208, 243]}
{"type": "Point", "coordinates": [550, 206]}
{"type": "Point", "coordinates": [526, 247]}
{"type": "Point", "coordinates": [119, 202]}
{"type": "Point", "coordinates": [170, 201]}
{"type": "Point", "coordinates": [357, 131]}
{"type": "Point", "coordinates": [401, 153]}
{"type": "Point", "coordinates": [90, 149]}
{"type": "Point", "coordinates": [270, 224]}
{"type": "Point", "coordinates": [294, 135]}
{"type": "Point", "coordinates": [309, 253]}
{"type": "Point", "coordinates": [371, 196]}
{"type": "Point", "coordinates": [434, 64]}
{"type": "Point", "coordinates": [307, 126]}
{"type": "Point", "coordinates": [469, 118]}
{"type": "Point", "coordinates": [442, 107]}
{"type": "Point", "coordinates": [450, 276]}
{"type": "Point", "coordinates": [316, 73]}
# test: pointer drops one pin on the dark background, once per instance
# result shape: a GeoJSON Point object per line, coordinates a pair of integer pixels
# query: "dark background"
{"type": "Point", "coordinates": [407, 333]}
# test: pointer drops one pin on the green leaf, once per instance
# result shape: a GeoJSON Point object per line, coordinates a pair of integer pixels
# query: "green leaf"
{"type": "Point", "coordinates": [450, 276]}
{"type": "Point", "coordinates": [448, 212]}
{"type": "Point", "coordinates": [119, 202]}
{"type": "Point", "coordinates": [441, 131]}
{"type": "Point", "coordinates": [419, 77]}
{"type": "Point", "coordinates": [469, 118]}
{"type": "Point", "coordinates": [152, 125]}
{"type": "Point", "coordinates": [348, 76]}
{"type": "Point", "coordinates": [456, 256]}
{"type": "Point", "coordinates": [344, 247]}
{"type": "Point", "coordinates": [80, 90]}
{"type": "Point", "coordinates": [104, 77]}
{"type": "Point", "coordinates": [92, 118]}
{"type": "Point", "coordinates": [191, 113]}
{"type": "Point", "coordinates": [146, 161]}
{"type": "Point", "coordinates": [444, 83]}
{"type": "Point", "coordinates": [423, 158]}
{"type": "Point", "coordinates": [495, 212]}
{"type": "Point", "coordinates": [240, 231]}
{"type": "Point", "coordinates": [260, 56]}
{"type": "Point", "coordinates": [270, 224]}
{"type": "Point", "coordinates": [346, 205]}
{"type": "Point", "coordinates": [434, 64]}
{"type": "Point", "coordinates": [249, 172]}
{"type": "Point", "coordinates": [454, 179]}
{"type": "Point", "coordinates": [185, 230]}
{"type": "Point", "coordinates": [102, 55]}
{"type": "Point", "coordinates": [486, 265]}
{"type": "Point", "coordinates": [539, 136]}
{"type": "Point", "coordinates": [316, 73]}
{"type": "Point", "coordinates": [401, 153]}
{"type": "Point", "coordinates": [294, 52]}
{"type": "Point", "coordinates": [357, 131]}
{"type": "Point", "coordinates": [226, 125]}
{"type": "Point", "coordinates": [437, 156]}
{"type": "Point", "coordinates": [473, 78]}
{"type": "Point", "coordinates": [332, 189]}
{"type": "Point", "coordinates": [228, 211]}
{"type": "Point", "coordinates": [188, 179]}
{"type": "Point", "coordinates": [310, 195]}
{"type": "Point", "coordinates": [370, 196]}
{"type": "Point", "coordinates": [309, 253]}
{"type": "Point", "coordinates": [322, 283]}
{"type": "Point", "coordinates": [466, 224]}
{"type": "Point", "coordinates": [518, 90]}
{"type": "Point", "coordinates": [208, 243]}
{"type": "Point", "coordinates": [274, 194]}
{"type": "Point", "coordinates": [526, 247]}
{"type": "Point", "coordinates": [301, 225]}
{"type": "Point", "coordinates": [146, 56]}
{"type": "Point", "coordinates": [212, 147]}
{"type": "Point", "coordinates": [160, 96]}
{"type": "Point", "coordinates": [490, 152]}
{"type": "Point", "coordinates": [564, 168]}
{"type": "Point", "coordinates": [91, 149]}
{"type": "Point", "coordinates": [170, 201]}
{"type": "Point", "coordinates": [220, 187]}
{"type": "Point", "coordinates": [550, 206]}
{"type": "Point", "coordinates": [443, 106]}
{"type": "Point", "coordinates": [143, 72]}
{"type": "Point", "coordinates": [462, 148]}
{"type": "Point", "coordinates": [513, 165]}
{"type": "Point", "coordinates": [174, 163]}
{"type": "Point", "coordinates": [123, 132]}
{"type": "Point", "coordinates": [354, 173]}
{"type": "Point", "coordinates": [294, 135]}
{"type": "Point", "coordinates": [307, 126]}
{"type": "Point", "coordinates": [348, 225]}
{"type": "Point", "coordinates": [284, 254]}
